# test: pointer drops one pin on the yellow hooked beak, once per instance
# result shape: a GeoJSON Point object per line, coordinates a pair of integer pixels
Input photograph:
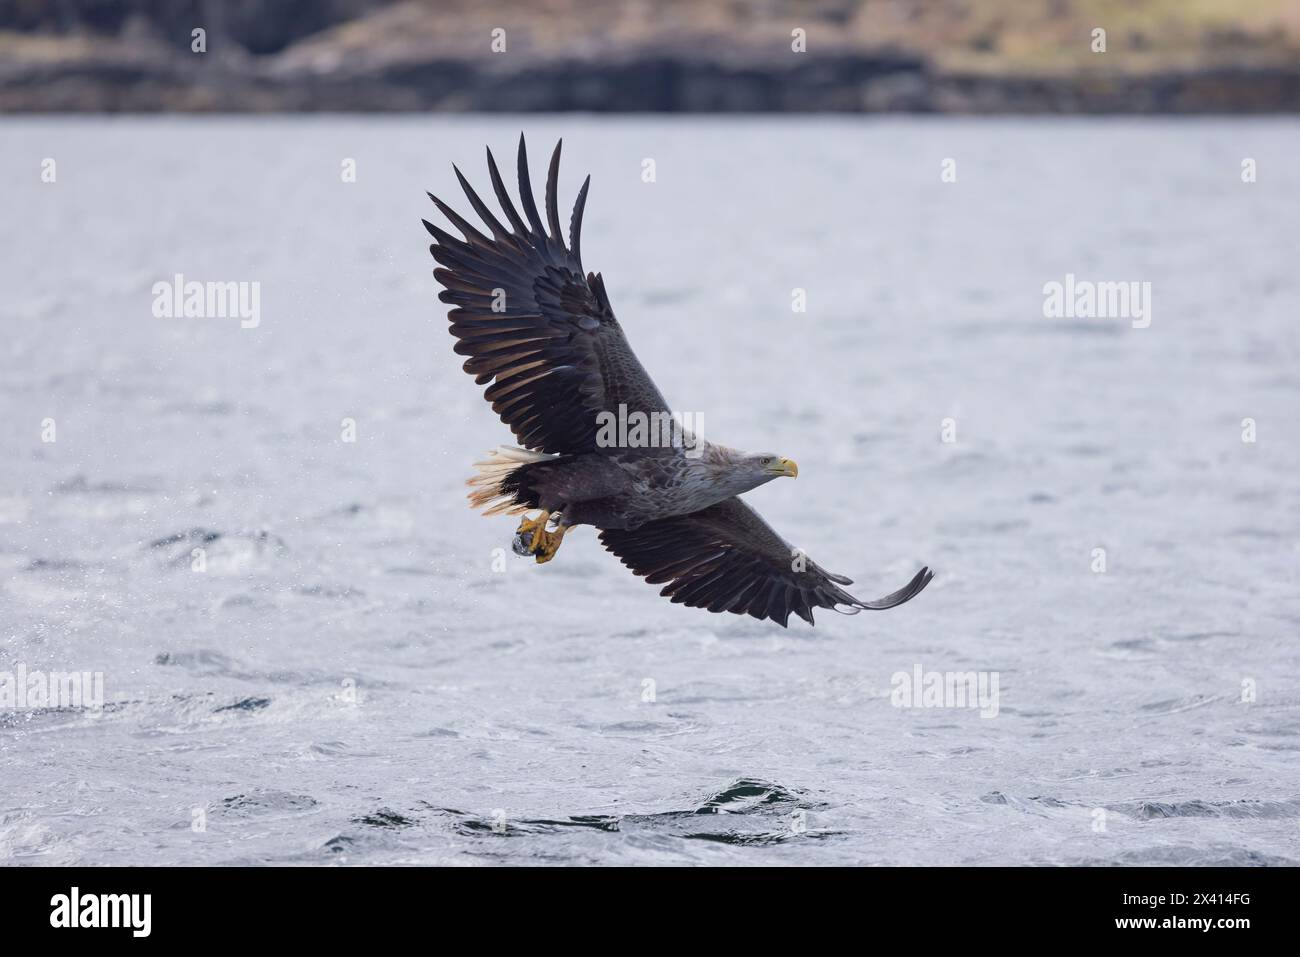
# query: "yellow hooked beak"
{"type": "Point", "coordinates": [786, 467]}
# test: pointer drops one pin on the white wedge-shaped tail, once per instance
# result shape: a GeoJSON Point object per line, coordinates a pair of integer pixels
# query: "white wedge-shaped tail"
{"type": "Point", "coordinates": [487, 492]}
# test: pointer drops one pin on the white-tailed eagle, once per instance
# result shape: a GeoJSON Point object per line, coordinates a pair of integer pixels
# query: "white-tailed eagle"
{"type": "Point", "coordinates": [539, 332]}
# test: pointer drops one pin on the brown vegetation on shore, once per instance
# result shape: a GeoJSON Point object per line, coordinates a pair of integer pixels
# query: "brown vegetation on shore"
{"type": "Point", "coordinates": [1010, 56]}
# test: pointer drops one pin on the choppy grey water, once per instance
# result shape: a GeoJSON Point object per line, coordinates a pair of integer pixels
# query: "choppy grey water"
{"type": "Point", "coordinates": [350, 680]}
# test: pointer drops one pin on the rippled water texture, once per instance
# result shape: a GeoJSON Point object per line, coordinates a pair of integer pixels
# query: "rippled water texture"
{"type": "Point", "coordinates": [350, 680]}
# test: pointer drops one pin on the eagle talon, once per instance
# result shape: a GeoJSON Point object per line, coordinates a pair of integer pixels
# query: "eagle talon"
{"type": "Point", "coordinates": [549, 545]}
{"type": "Point", "coordinates": [532, 538]}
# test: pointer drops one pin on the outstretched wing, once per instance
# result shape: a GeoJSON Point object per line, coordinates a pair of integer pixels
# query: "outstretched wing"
{"type": "Point", "coordinates": [726, 558]}
{"type": "Point", "coordinates": [538, 333]}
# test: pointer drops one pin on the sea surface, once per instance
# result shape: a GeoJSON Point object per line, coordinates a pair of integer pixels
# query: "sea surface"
{"type": "Point", "coordinates": [362, 673]}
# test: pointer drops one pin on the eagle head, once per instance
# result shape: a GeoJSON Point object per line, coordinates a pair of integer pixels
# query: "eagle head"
{"type": "Point", "coordinates": [766, 466]}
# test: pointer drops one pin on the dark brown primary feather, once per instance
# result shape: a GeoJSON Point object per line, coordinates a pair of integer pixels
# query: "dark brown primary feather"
{"type": "Point", "coordinates": [726, 558]}
{"type": "Point", "coordinates": [555, 357]}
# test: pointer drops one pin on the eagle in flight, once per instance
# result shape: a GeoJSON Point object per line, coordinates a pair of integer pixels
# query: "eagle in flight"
{"type": "Point", "coordinates": [540, 333]}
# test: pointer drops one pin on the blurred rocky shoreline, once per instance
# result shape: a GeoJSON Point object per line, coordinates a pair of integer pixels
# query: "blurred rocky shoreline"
{"type": "Point", "coordinates": [457, 55]}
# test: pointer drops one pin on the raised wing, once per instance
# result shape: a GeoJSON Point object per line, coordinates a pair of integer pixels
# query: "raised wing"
{"type": "Point", "coordinates": [726, 558]}
{"type": "Point", "coordinates": [538, 333]}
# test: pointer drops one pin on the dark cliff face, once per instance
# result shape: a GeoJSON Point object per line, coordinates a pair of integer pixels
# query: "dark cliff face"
{"type": "Point", "coordinates": [665, 55]}
{"type": "Point", "coordinates": [256, 26]}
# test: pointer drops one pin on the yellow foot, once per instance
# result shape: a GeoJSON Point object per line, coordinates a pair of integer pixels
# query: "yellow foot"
{"type": "Point", "coordinates": [532, 538]}
{"type": "Point", "coordinates": [531, 526]}
{"type": "Point", "coordinates": [549, 544]}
